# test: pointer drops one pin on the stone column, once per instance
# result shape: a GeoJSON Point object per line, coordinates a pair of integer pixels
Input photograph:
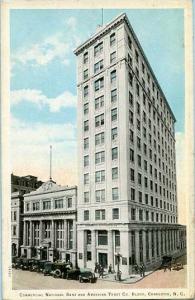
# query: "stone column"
{"type": "Point", "coordinates": [74, 236]}
{"type": "Point", "coordinates": [144, 245]}
{"type": "Point", "coordinates": [110, 248]}
{"type": "Point", "coordinates": [93, 247]}
{"type": "Point", "coordinates": [31, 238]}
{"type": "Point", "coordinates": [137, 247]}
{"type": "Point", "coordinates": [24, 234]}
{"type": "Point", "coordinates": [155, 244]}
{"type": "Point", "coordinates": [52, 233]}
{"type": "Point", "coordinates": [159, 242]}
{"type": "Point", "coordinates": [40, 231]}
{"type": "Point", "coordinates": [65, 235]}
{"type": "Point", "coordinates": [150, 244]}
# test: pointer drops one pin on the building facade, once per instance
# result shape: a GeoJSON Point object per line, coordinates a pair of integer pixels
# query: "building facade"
{"type": "Point", "coordinates": [24, 184]}
{"type": "Point", "coordinates": [49, 223]}
{"type": "Point", "coordinates": [127, 194]}
{"type": "Point", "coordinates": [16, 222]}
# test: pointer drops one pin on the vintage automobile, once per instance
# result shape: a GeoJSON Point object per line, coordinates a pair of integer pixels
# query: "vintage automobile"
{"type": "Point", "coordinates": [87, 276]}
{"type": "Point", "coordinates": [56, 269]}
{"type": "Point", "coordinates": [18, 263]}
{"type": "Point", "coordinates": [73, 274]}
{"type": "Point", "coordinates": [14, 258]}
{"type": "Point", "coordinates": [166, 262]}
{"type": "Point", "coordinates": [39, 265]}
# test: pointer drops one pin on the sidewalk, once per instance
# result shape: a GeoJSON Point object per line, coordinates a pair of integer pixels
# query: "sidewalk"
{"type": "Point", "coordinates": [128, 279]}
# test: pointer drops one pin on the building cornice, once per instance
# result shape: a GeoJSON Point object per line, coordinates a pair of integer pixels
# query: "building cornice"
{"type": "Point", "coordinates": [105, 30]}
{"type": "Point", "coordinates": [48, 213]}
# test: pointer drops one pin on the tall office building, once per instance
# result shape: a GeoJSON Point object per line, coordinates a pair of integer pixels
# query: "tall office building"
{"type": "Point", "coordinates": [127, 195]}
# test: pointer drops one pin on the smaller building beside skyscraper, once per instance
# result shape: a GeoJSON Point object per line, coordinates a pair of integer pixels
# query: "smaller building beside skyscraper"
{"type": "Point", "coordinates": [49, 223]}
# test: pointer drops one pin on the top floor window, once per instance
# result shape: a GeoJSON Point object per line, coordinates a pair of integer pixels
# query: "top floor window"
{"type": "Point", "coordinates": [85, 57]}
{"type": "Point", "coordinates": [98, 49]}
{"type": "Point", "coordinates": [98, 84]}
{"type": "Point", "coordinates": [136, 56]}
{"type": "Point", "coordinates": [47, 204]}
{"type": "Point", "coordinates": [69, 204]}
{"type": "Point", "coordinates": [129, 42]}
{"type": "Point", "coordinates": [112, 39]}
{"type": "Point", "coordinates": [36, 206]}
{"type": "Point", "coordinates": [59, 203]}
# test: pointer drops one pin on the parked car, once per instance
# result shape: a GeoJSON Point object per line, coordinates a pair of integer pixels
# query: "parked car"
{"type": "Point", "coordinates": [14, 258]}
{"type": "Point", "coordinates": [166, 261]}
{"type": "Point", "coordinates": [39, 265]}
{"type": "Point", "coordinates": [18, 263]}
{"type": "Point", "coordinates": [56, 269]}
{"type": "Point", "coordinates": [87, 276]}
{"type": "Point", "coordinates": [73, 274]}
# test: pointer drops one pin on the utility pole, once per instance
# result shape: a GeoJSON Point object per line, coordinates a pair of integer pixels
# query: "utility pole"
{"type": "Point", "coordinates": [50, 171]}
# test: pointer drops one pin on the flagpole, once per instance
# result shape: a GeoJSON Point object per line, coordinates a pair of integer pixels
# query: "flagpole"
{"type": "Point", "coordinates": [50, 163]}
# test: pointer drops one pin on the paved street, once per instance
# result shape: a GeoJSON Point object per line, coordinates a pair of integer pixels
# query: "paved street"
{"type": "Point", "coordinates": [158, 279]}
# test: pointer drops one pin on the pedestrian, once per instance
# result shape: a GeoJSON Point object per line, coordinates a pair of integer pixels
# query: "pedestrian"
{"type": "Point", "coordinates": [143, 269]}
{"type": "Point", "coordinates": [101, 274]}
{"type": "Point", "coordinates": [96, 268]}
{"type": "Point", "coordinates": [110, 269]}
{"type": "Point", "coordinates": [140, 270]}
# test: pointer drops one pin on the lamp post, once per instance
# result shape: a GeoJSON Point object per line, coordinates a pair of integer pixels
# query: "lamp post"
{"type": "Point", "coordinates": [118, 275]}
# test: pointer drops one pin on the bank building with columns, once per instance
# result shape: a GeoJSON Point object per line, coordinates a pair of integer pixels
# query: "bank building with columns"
{"type": "Point", "coordinates": [127, 193]}
{"type": "Point", "coordinates": [49, 223]}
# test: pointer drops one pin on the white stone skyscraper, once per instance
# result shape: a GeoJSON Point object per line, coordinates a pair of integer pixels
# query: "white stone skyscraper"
{"type": "Point", "coordinates": [127, 194]}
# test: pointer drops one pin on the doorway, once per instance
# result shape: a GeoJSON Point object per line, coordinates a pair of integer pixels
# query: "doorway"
{"type": "Point", "coordinates": [103, 259]}
{"type": "Point", "coordinates": [44, 253]}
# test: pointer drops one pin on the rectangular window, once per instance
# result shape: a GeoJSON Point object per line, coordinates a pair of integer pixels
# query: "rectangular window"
{"type": "Point", "coordinates": [115, 213]}
{"type": "Point", "coordinates": [113, 95]}
{"type": "Point", "coordinates": [88, 255]}
{"type": "Point", "coordinates": [115, 173]}
{"type": "Point", "coordinates": [86, 197]}
{"type": "Point", "coordinates": [132, 194]}
{"type": "Point", "coordinates": [114, 153]}
{"type": "Point", "coordinates": [99, 139]}
{"type": "Point", "coordinates": [99, 84]}
{"type": "Point", "coordinates": [114, 133]}
{"type": "Point", "coordinates": [115, 195]}
{"type": "Point", "coordinates": [130, 99]}
{"type": "Point", "coordinates": [133, 214]}
{"type": "Point", "coordinates": [113, 57]}
{"type": "Point", "coordinates": [102, 237]}
{"type": "Point", "coordinates": [100, 176]}
{"type": "Point", "coordinates": [98, 66]}
{"type": "Point", "coordinates": [99, 120]}
{"type": "Point", "coordinates": [69, 202]}
{"type": "Point", "coordinates": [129, 43]}
{"type": "Point", "coordinates": [113, 76]}
{"type": "Point", "coordinates": [139, 178]}
{"type": "Point", "coordinates": [86, 178]}
{"type": "Point", "coordinates": [85, 57]}
{"type": "Point", "coordinates": [85, 91]}
{"type": "Point", "coordinates": [100, 196]}
{"type": "Point", "coordinates": [86, 160]}
{"type": "Point", "coordinates": [27, 206]}
{"type": "Point", "coordinates": [100, 214]}
{"type": "Point", "coordinates": [132, 175]}
{"type": "Point", "coordinates": [36, 206]}
{"type": "Point", "coordinates": [86, 125]}
{"type": "Point", "coordinates": [140, 215]}
{"type": "Point", "coordinates": [85, 74]}
{"type": "Point", "coordinates": [59, 203]}
{"type": "Point", "coordinates": [114, 114]}
{"type": "Point", "coordinates": [112, 39]}
{"type": "Point", "coordinates": [86, 108]}
{"type": "Point", "coordinates": [88, 237]}
{"type": "Point", "coordinates": [117, 238]}
{"type": "Point", "coordinates": [136, 56]}
{"type": "Point", "coordinates": [99, 102]}
{"type": "Point", "coordinates": [86, 215]}
{"type": "Point", "coordinates": [131, 117]}
{"type": "Point", "coordinates": [100, 157]}
{"type": "Point", "coordinates": [98, 49]}
{"type": "Point", "coordinates": [130, 79]}
{"type": "Point", "coordinates": [131, 155]}
{"type": "Point", "coordinates": [46, 204]}
{"type": "Point", "coordinates": [86, 143]}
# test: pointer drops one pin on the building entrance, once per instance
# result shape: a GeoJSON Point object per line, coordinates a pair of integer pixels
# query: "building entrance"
{"type": "Point", "coordinates": [44, 253]}
{"type": "Point", "coordinates": [103, 260]}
